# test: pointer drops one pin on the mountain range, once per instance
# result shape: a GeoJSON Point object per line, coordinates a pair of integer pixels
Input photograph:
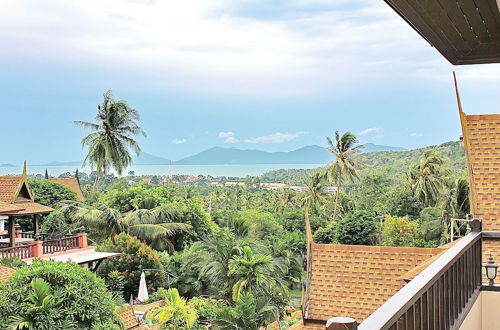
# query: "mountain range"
{"type": "Point", "coordinates": [306, 155]}
{"type": "Point", "coordinates": [222, 156]}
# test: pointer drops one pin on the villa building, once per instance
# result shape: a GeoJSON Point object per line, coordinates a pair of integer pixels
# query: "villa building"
{"type": "Point", "coordinates": [368, 287]}
{"type": "Point", "coordinates": [17, 200]}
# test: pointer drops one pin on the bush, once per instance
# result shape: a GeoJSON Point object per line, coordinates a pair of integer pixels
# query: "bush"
{"type": "Point", "coordinates": [358, 228]}
{"type": "Point", "coordinates": [325, 235]}
{"type": "Point", "coordinates": [207, 308]}
{"type": "Point", "coordinates": [55, 223]}
{"type": "Point", "coordinates": [135, 256]}
{"type": "Point", "coordinates": [79, 297]}
{"type": "Point", "coordinates": [400, 231]}
{"type": "Point", "coordinates": [12, 262]}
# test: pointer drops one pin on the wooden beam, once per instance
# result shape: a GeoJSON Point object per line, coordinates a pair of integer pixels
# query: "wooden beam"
{"type": "Point", "coordinates": [12, 234]}
{"type": "Point", "coordinates": [36, 220]}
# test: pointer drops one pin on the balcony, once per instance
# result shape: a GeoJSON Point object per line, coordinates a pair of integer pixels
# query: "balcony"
{"type": "Point", "coordinates": [448, 294]}
{"type": "Point", "coordinates": [28, 247]}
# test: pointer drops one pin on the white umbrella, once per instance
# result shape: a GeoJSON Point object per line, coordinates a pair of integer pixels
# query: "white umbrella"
{"type": "Point", "coordinates": [143, 290]}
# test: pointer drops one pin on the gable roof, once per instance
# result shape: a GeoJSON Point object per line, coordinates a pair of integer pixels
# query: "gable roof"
{"type": "Point", "coordinates": [16, 197]}
{"type": "Point", "coordinates": [354, 280]}
{"type": "Point", "coordinates": [5, 273]}
{"type": "Point", "coordinates": [15, 188]}
{"type": "Point", "coordinates": [72, 184]}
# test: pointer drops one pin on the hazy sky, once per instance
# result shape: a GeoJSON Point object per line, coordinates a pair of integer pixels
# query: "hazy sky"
{"type": "Point", "coordinates": [272, 75]}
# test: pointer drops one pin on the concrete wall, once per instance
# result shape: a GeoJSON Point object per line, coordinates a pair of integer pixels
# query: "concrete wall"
{"type": "Point", "coordinates": [485, 313]}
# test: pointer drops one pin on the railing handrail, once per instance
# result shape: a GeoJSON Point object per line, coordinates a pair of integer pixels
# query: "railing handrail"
{"type": "Point", "coordinates": [395, 306]}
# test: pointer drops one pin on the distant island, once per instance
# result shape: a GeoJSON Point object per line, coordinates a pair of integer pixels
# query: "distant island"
{"type": "Point", "coordinates": [7, 165]}
{"type": "Point", "coordinates": [232, 156]}
{"type": "Point", "coordinates": [306, 155]}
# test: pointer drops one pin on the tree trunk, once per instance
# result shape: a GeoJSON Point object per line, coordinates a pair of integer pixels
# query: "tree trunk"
{"type": "Point", "coordinates": [337, 200]}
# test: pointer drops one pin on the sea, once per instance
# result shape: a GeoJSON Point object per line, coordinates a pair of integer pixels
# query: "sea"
{"type": "Point", "coordinates": [236, 170]}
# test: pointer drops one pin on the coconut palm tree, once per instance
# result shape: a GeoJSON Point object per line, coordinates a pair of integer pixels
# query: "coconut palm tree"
{"type": "Point", "coordinates": [426, 179]}
{"type": "Point", "coordinates": [345, 167]}
{"type": "Point", "coordinates": [214, 266]}
{"type": "Point", "coordinates": [254, 272]}
{"type": "Point", "coordinates": [249, 313]}
{"type": "Point", "coordinates": [112, 136]}
{"type": "Point", "coordinates": [315, 195]}
{"type": "Point", "coordinates": [176, 313]}
{"type": "Point", "coordinates": [155, 226]}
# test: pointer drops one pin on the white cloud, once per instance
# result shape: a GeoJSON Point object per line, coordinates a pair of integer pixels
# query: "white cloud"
{"type": "Point", "coordinates": [179, 141]}
{"type": "Point", "coordinates": [416, 134]}
{"type": "Point", "coordinates": [215, 45]}
{"type": "Point", "coordinates": [226, 134]}
{"type": "Point", "coordinates": [370, 130]}
{"type": "Point", "coordinates": [229, 137]}
{"type": "Point", "coordinates": [275, 138]}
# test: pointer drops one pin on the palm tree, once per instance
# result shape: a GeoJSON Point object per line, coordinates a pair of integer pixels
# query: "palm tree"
{"type": "Point", "coordinates": [249, 313]}
{"type": "Point", "coordinates": [455, 203]}
{"type": "Point", "coordinates": [41, 301]}
{"type": "Point", "coordinates": [346, 164]}
{"type": "Point", "coordinates": [425, 179]}
{"type": "Point", "coordinates": [155, 226]}
{"type": "Point", "coordinates": [315, 194]}
{"type": "Point", "coordinates": [214, 265]}
{"type": "Point", "coordinates": [112, 136]}
{"type": "Point", "coordinates": [253, 272]}
{"type": "Point", "coordinates": [176, 312]}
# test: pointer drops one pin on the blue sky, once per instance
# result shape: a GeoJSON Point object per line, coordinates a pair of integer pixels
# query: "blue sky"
{"type": "Point", "coordinates": [271, 75]}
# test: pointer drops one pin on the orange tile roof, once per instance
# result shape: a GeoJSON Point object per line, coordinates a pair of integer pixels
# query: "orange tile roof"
{"type": "Point", "coordinates": [29, 207]}
{"type": "Point", "coordinates": [9, 208]}
{"type": "Point", "coordinates": [9, 186]}
{"type": "Point", "coordinates": [482, 144]}
{"type": "Point", "coordinates": [353, 281]}
{"type": "Point", "coordinates": [72, 184]}
{"type": "Point", "coordinates": [5, 272]}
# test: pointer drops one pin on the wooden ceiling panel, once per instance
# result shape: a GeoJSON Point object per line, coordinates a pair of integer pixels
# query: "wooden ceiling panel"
{"type": "Point", "coordinates": [463, 31]}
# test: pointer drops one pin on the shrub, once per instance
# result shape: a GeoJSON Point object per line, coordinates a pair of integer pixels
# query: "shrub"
{"type": "Point", "coordinates": [207, 308]}
{"type": "Point", "coordinates": [399, 231]}
{"type": "Point", "coordinates": [12, 262]}
{"type": "Point", "coordinates": [80, 298]}
{"type": "Point", "coordinates": [55, 223]}
{"type": "Point", "coordinates": [325, 235]}
{"type": "Point", "coordinates": [358, 228]}
{"type": "Point", "coordinates": [135, 256]}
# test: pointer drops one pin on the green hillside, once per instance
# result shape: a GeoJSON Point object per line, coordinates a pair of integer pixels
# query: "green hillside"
{"type": "Point", "coordinates": [394, 162]}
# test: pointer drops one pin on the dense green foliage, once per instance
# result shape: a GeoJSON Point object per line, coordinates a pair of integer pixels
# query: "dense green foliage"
{"type": "Point", "coordinates": [60, 294]}
{"type": "Point", "coordinates": [50, 193]}
{"type": "Point", "coordinates": [243, 245]}
{"type": "Point", "coordinates": [135, 256]}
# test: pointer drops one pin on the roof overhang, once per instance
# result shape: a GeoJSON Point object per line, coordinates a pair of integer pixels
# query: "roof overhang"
{"type": "Point", "coordinates": [463, 31]}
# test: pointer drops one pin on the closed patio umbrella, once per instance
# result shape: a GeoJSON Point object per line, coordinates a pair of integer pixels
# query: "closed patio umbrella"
{"type": "Point", "coordinates": [143, 290]}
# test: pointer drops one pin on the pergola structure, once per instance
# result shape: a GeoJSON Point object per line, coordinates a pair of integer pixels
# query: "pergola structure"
{"type": "Point", "coordinates": [17, 200]}
{"type": "Point", "coordinates": [463, 31]}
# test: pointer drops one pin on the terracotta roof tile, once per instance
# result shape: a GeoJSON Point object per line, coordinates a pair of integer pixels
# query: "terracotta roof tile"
{"type": "Point", "coordinates": [72, 184]}
{"type": "Point", "coordinates": [8, 187]}
{"type": "Point", "coordinates": [482, 143]}
{"type": "Point", "coordinates": [5, 272]}
{"type": "Point", "coordinates": [353, 281]}
{"type": "Point", "coordinates": [9, 208]}
{"type": "Point", "coordinates": [32, 208]}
